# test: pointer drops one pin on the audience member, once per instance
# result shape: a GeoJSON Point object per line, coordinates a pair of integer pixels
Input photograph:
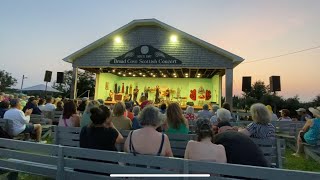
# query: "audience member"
{"type": "Point", "coordinates": [223, 119]}
{"type": "Point", "coordinates": [175, 120]}
{"type": "Point", "coordinates": [50, 106]}
{"type": "Point", "coordinates": [285, 113]}
{"type": "Point", "coordinates": [41, 105]}
{"type": "Point", "coordinates": [128, 112]}
{"type": "Point", "coordinates": [157, 143]}
{"type": "Point", "coordinates": [214, 110]}
{"type": "Point", "coordinates": [101, 133]}
{"type": "Point", "coordinates": [101, 101]}
{"type": "Point", "coordinates": [4, 106]}
{"type": "Point", "coordinates": [85, 118]}
{"type": "Point", "coordinates": [32, 104]}
{"type": "Point", "coordinates": [240, 149]}
{"type": "Point", "coordinates": [69, 117]}
{"type": "Point", "coordinates": [310, 132]}
{"type": "Point", "coordinates": [260, 128]}
{"type": "Point", "coordinates": [228, 107]}
{"type": "Point", "coordinates": [20, 121]}
{"type": "Point", "coordinates": [163, 108]}
{"type": "Point", "coordinates": [302, 113]}
{"type": "Point", "coordinates": [274, 117]}
{"type": "Point", "coordinates": [119, 120]}
{"type": "Point", "coordinates": [190, 116]}
{"type": "Point", "coordinates": [205, 113]}
{"type": "Point", "coordinates": [59, 106]}
{"type": "Point", "coordinates": [135, 121]}
{"type": "Point", "coordinates": [203, 149]}
{"type": "Point", "coordinates": [22, 99]}
{"type": "Point", "coordinates": [83, 104]}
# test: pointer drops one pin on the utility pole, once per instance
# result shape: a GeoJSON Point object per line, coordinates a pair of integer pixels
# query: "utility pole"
{"type": "Point", "coordinates": [23, 77]}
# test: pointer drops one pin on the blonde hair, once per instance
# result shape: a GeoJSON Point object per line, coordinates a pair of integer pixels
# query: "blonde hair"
{"type": "Point", "coordinates": [119, 109]}
{"type": "Point", "coordinates": [91, 105]}
{"type": "Point", "coordinates": [260, 113]}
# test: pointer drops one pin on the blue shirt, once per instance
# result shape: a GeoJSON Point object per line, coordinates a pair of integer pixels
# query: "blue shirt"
{"type": "Point", "coordinates": [205, 114]}
{"type": "Point", "coordinates": [313, 134]}
{"type": "Point", "coordinates": [2, 111]}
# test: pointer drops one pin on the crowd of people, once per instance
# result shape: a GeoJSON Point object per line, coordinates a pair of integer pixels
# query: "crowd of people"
{"type": "Point", "coordinates": [218, 140]}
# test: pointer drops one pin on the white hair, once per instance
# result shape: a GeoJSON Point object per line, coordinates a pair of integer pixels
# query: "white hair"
{"type": "Point", "coordinates": [189, 110]}
{"type": "Point", "coordinates": [260, 114]}
{"type": "Point", "coordinates": [224, 114]}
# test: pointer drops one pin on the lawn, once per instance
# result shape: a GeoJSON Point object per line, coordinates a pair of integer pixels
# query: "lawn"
{"type": "Point", "coordinates": [300, 163]}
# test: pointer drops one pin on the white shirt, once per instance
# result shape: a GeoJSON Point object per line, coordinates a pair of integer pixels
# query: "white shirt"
{"type": "Point", "coordinates": [19, 121]}
{"type": "Point", "coordinates": [42, 107]}
{"type": "Point", "coordinates": [49, 107]}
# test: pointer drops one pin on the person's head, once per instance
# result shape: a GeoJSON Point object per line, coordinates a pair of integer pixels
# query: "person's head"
{"type": "Point", "coordinates": [69, 109]}
{"type": "Point", "coordinates": [215, 108]}
{"type": "Point", "coordinates": [226, 106]}
{"type": "Point", "coordinates": [174, 115]}
{"type": "Point", "coordinates": [136, 110]}
{"type": "Point", "coordinates": [49, 99]}
{"type": "Point", "coordinates": [119, 109]}
{"type": "Point", "coordinates": [260, 114]}
{"type": "Point", "coordinates": [15, 103]}
{"type": "Point", "coordinates": [285, 113]}
{"type": "Point", "coordinates": [190, 110]}
{"type": "Point", "coordinates": [4, 104]}
{"type": "Point", "coordinates": [204, 129]}
{"type": "Point", "coordinates": [101, 101]}
{"type": "Point", "coordinates": [150, 116]}
{"type": "Point", "coordinates": [60, 105]}
{"type": "Point", "coordinates": [315, 112]}
{"type": "Point", "coordinates": [33, 100]}
{"type": "Point", "coordinates": [100, 114]}
{"type": "Point", "coordinates": [223, 115]}
{"type": "Point", "coordinates": [84, 100]}
{"type": "Point", "coordinates": [163, 106]}
{"type": "Point", "coordinates": [41, 101]}
{"type": "Point", "coordinates": [301, 111]}
{"type": "Point", "coordinates": [91, 105]}
{"type": "Point", "coordinates": [205, 107]}
{"type": "Point", "coordinates": [128, 106]}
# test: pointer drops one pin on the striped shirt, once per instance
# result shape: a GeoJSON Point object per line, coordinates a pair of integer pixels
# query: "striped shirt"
{"type": "Point", "coordinates": [261, 131]}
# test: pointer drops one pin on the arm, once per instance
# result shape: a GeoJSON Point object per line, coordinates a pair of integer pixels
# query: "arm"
{"type": "Point", "coordinates": [25, 117]}
{"type": "Point", "coordinates": [168, 150]}
{"type": "Point", "coordinates": [126, 144]}
{"type": "Point", "coordinates": [76, 120]}
{"type": "Point", "coordinates": [244, 131]}
{"type": "Point", "coordinates": [186, 152]}
{"type": "Point", "coordinates": [307, 125]}
{"type": "Point", "coordinates": [119, 139]}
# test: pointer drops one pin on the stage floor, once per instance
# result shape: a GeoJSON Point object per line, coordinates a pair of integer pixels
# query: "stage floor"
{"type": "Point", "coordinates": [182, 107]}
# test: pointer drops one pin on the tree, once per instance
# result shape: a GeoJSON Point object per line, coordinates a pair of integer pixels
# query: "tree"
{"type": "Point", "coordinates": [86, 81]}
{"type": "Point", "coordinates": [6, 80]}
{"type": "Point", "coordinates": [258, 90]}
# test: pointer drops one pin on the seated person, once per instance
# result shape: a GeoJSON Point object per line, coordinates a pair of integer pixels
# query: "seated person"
{"type": "Point", "coordinates": [240, 149]}
{"type": "Point", "coordinates": [176, 122]}
{"type": "Point", "coordinates": [101, 133]}
{"type": "Point", "coordinates": [205, 113]}
{"type": "Point", "coordinates": [32, 104]}
{"type": "Point", "coordinates": [156, 143]}
{"type": "Point", "coordinates": [119, 120]}
{"type": "Point", "coordinates": [85, 118]}
{"type": "Point", "coordinates": [135, 121]}
{"type": "Point", "coordinates": [260, 128]}
{"type": "Point", "coordinates": [4, 106]}
{"type": "Point", "coordinates": [310, 132]}
{"type": "Point", "coordinates": [204, 149]}
{"type": "Point", "coordinates": [285, 115]}
{"type": "Point", "coordinates": [20, 121]}
{"type": "Point", "coordinates": [69, 117]}
{"type": "Point", "coordinates": [223, 121]}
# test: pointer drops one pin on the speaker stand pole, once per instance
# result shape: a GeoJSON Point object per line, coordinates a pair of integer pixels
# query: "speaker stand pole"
{"type": "Point", "coordinates": [45, 92]}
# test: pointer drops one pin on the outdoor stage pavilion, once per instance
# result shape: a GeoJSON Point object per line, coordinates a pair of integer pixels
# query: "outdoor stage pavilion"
{"type": "Point", "coordinates": [148, 53]}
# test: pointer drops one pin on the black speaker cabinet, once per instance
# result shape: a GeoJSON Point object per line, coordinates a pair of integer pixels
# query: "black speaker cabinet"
{"type": "Point", "coordinates": [47, 76]}
{"type": "Point", "coordinates": [246, 83]}
{"type": "Point", "coordinates": [59, 77]}
{"type": "Point", "coordinates": [275, 84]}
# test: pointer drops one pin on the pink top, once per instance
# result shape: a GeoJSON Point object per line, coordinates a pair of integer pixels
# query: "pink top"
{"type": "Point", "coordinates": [66, 122]}
{"type": "Point", "coordinates": [190, 117]}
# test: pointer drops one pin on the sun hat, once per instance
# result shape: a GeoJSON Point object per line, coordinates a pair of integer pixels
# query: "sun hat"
{"type": "Point", "coordinates": [301, 110]}
{"type": "Point", "coordinates": [314, 111]}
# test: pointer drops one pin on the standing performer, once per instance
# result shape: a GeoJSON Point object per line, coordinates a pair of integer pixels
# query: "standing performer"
{"type": "Point", "coordinates": [127, 89]}
{"type": "Point", "coordinates": [122, 89]}
{"type": "Point", "coordinates": [130, 90]}
{"type": "Point", "coordinates": [116, 88]}
{"type": "Point", "coordinates": [157, 100]}
{"type": "Point", "coordinates": [146, 94]}
{"type": "Point", "coordinates": [168, 94]}
{"type": "Point", "coordinates": [135, 94]}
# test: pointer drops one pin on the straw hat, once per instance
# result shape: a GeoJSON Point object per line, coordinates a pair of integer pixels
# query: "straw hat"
{"type": "Point", "coordinates": [315, 112]}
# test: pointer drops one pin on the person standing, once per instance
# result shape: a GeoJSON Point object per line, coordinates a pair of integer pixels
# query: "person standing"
{"type": "Point", "coordinates": [135, 94]}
